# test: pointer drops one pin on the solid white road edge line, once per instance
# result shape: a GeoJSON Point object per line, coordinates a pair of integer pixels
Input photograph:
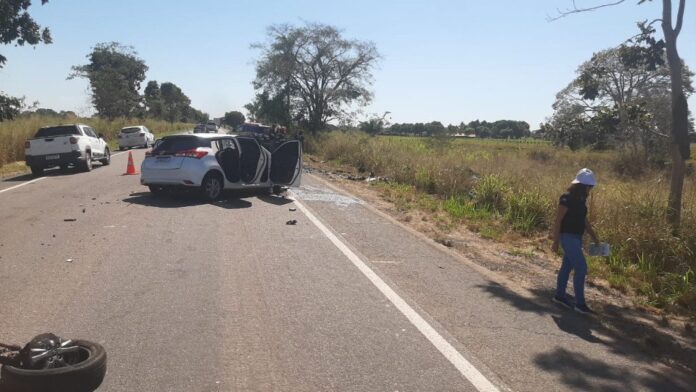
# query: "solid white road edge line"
{"type": "Point", "coordinates": [22, 184]}
{"type": "Point", "coordinates": [478, 380]}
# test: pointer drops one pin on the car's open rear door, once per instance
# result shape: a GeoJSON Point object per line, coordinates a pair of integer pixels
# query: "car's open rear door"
{"type": "Point", "coordinates": [286, 164]}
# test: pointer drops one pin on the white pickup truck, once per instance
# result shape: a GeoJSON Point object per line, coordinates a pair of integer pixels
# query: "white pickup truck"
{"type": "Point", "coordinates": [63, 145]}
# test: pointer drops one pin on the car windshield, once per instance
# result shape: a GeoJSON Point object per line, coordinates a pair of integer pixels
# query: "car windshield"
{"type": "Point", "coordinates": [170, 145]}
{"type": "Point", "coordinates": [131, 130]}
{"type": "Point", "coordinates": [57, 131]}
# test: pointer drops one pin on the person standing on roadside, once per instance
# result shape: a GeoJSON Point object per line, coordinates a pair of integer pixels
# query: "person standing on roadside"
{"type": "Point", "coordinates": [570, 225]}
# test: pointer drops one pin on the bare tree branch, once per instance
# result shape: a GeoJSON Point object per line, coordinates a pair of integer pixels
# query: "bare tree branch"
{"type": "Point", "coordinates": [577, 10]}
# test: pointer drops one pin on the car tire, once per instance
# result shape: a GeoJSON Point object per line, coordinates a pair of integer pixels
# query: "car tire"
{"type": "Point", "coordinates": [37, 171]}
{"type": "Point", "coordinates": [84, 376]}
{"type": "Point", "coordinates": [87, 164]}
{"type": "Point", "coordinates": [106, 161]}
{"type": "Point", "coordinates": [211, 187]}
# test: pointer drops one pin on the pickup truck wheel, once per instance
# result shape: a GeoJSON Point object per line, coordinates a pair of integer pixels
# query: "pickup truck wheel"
{"type": "Point", "coordinates": [211, 187]}
{"type": "Point", "coordinates": [84, 371]}
{"type": "Point", "coordinates": [87, 164]}
{"type": "Point", "coordinates": [37, 171]}
{"type": "Point", "coordinates": [107, 158]}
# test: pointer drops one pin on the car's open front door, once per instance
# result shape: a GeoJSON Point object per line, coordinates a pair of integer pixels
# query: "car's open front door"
{"type": "Point", "coordinates": [286, 164]}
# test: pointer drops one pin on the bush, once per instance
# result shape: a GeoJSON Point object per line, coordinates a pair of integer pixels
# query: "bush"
{"type": "Point", "coordinates": [491, 193]}
{"type": "Point", "coordinates": [527, 210]}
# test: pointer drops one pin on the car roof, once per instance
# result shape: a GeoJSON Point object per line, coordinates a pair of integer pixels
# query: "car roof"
{"type": "Point", "coordinates": [202, 135]}
{"type": "Point", "coordinates": [64, 125]}
{"type": "Point", "coordinates": [134, 126]}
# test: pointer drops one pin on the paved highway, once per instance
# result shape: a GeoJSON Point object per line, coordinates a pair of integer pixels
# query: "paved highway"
{"type": "Point", "coordinates": [188, 296]}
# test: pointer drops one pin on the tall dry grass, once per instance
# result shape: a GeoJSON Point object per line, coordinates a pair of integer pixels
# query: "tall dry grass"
{"type": "Point", "coordinates": [518, 185]}
{"type": "Point", "coordinates": [14, 133]}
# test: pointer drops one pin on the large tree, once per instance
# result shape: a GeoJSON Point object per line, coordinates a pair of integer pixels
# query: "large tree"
{"type": "Point", "coordinates": [153, 99]}
{"type": "Point", "coordinates": [18, 27]}
{"type": "Point", "coordinates": [619, 98]}
{"type": "Point", "coordinates": [315, 71]}
{"type": "Point", "coordinates": [233, 119]}
{"type": "Point", "coordinates": [115, 73]}
{"type": "Point", "coordinates": [680, 149]}
{"type": "Point", "coordinates": [175, 104]}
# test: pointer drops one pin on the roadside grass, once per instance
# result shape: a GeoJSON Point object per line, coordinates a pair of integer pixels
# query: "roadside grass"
{"type": "Point", "coordinates": [504, 190]}
{"type": "Point", "coordinates": [14, 133]}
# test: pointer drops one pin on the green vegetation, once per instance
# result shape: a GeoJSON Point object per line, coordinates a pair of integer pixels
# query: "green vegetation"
{"type": "Point", "coordinates": [308, 75]}
{"type": "Point", "coordinates": [14, 133]}
{"type": "Point", "coordinates": [504, 190]}
{"type": "Point", "coordinates": [115, 74]}
{"type": "Point", "coordinates": [18, 27]}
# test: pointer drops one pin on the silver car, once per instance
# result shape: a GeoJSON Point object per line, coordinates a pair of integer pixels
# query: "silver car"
{"type": "Point", "coordinates": [135, 136]}
{"type": "Point", "coordinates": [211, 163]}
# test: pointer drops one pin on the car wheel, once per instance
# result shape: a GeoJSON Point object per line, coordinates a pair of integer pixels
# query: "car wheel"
{"type": "Point", "coordinates": [37, 171]}
{"type": "Point", "coordinates": [87, 164]}
{"type": "Point", "coordinates": [107, 158]}
{"type": "Point", "coordinates": [85, 372]}
{"type": "Point", "coordinates": [211, 187]}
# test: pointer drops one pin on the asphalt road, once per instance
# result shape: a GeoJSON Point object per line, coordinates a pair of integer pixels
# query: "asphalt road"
{"type": "Point", "coordinates": [188, 296]}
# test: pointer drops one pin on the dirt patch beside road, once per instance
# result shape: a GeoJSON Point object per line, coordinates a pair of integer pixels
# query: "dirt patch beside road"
{"type": "Point", "coordinates": [525, 263]}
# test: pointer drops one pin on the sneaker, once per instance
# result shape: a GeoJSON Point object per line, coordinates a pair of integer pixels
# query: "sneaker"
{"type": "Point", "coordinates": [562, 301]}
{"type": "Point", "coordinates": [582, 308]}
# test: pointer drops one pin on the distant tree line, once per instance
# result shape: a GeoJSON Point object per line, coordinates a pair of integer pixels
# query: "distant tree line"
{"type": "Point", "coordinates": [45, 112]}
{"type": "Point", "coordinates": [501, 129]}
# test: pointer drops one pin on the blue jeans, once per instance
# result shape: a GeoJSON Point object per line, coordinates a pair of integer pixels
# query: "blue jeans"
{"type": "Point", "coordinates": [573, 259]}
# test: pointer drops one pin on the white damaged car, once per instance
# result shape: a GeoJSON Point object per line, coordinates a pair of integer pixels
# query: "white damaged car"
{"type": "Point", "coordinates": [211, 163]}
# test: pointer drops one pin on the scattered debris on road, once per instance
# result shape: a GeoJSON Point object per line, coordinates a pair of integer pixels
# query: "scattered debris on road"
{"type": "Point", "coordinates": [293, 209]}
{"type": "Point", "coordinates": [68, 220]}
{"type": "Point", "coordinates": [291, 222]}
{"type": "Point", "coordinates": [84, 210]}
{"type": "Point", "coordinates": [69, 260]}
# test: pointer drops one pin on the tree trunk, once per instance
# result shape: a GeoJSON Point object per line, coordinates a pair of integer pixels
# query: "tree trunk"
{"type": "Point", "coordinates": [679, 149]}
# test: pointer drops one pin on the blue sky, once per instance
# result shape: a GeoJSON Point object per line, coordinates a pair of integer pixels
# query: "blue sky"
{"type": "Point", "coordinates": [442, 60]}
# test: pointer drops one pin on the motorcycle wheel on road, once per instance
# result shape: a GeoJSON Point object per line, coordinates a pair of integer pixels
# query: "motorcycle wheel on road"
{"type": "Point", "coordinates": [49, 363]}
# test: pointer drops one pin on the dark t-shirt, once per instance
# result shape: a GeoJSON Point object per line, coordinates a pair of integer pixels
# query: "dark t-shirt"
{"type": "Point", "coordinates": [574, 220]}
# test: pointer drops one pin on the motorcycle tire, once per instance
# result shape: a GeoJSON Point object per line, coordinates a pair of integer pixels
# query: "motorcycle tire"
{"type": "Point", "coordinates": [83, 376]}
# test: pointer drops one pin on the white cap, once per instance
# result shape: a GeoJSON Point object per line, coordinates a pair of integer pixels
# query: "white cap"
{"type": "Point", "coordinates": [585, 177]}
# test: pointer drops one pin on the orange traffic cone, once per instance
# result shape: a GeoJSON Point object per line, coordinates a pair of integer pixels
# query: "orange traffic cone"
{"type": "Point", "coordinates": [131, 167]}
